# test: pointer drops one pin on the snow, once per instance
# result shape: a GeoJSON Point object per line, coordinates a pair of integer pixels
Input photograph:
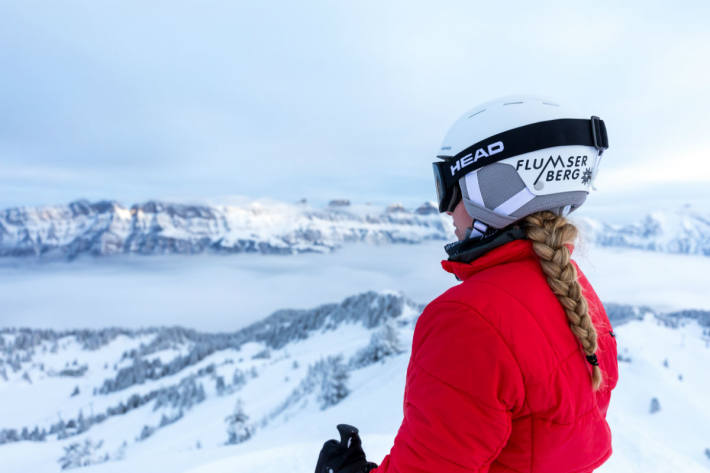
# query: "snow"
{"type": "Point", "coordinates": [217, 293]}
{"type": "Point", "coordinates": [672, 438]}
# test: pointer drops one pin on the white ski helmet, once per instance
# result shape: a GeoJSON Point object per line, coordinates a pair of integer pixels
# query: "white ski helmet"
{"type": "Point", "coordinates": [518, 155]}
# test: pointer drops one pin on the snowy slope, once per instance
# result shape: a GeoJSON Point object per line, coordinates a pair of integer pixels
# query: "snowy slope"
{"type": "Point", "coordinates": [269, 227]}
{"type": "Point", "coordinates": [157, 399]}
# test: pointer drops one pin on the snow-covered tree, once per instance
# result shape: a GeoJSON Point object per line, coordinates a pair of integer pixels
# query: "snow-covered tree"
{"type": "Point", "coordinates": [82, 425]}
{"type": "Point", "coordinates": [238, 427]}
{"type": "Point", "coordinates": [220, 385]}
{"type": "Point", "coordinates": [263, 354]}
{"type": "Point", "coordinates": [383, 343]}
{"type": "Point", "coordinates": [183, 395]}
{"type": "Point", "coordinates": [167, 420]}
{"type": "Point", "coordinates": [239, 379]}
{"type": "Point", "coordinates": [146, 432]}
{"type": "Point", "coordinates": [120, 452]}
{"type": "Point", "coordinates": [9, 435]}
{"type": "Point", "coordinates": [333, 376]}
{"type": "Point", "coordinates": [79, 454]}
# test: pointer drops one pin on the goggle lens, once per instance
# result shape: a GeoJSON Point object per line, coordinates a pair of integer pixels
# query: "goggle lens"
{"type": "Point", "coordinates": [447, 198]}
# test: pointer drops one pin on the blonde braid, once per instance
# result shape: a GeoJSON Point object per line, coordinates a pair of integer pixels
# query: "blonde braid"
{"type": "Point", "coordinates": [549, 233]}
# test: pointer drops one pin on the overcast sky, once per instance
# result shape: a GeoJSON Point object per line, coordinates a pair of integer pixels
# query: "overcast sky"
{"type": "Point", "coordinates": [132, 100]}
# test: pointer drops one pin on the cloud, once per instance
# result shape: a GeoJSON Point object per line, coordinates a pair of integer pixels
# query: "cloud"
{"type": "Point", "coordinates": [688, 166]}
{"type": "Point", "coordinates": [223, 97]}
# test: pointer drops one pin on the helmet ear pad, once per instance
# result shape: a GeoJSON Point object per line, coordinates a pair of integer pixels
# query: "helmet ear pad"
{"type": "Point", "coordinates": [497, 196]}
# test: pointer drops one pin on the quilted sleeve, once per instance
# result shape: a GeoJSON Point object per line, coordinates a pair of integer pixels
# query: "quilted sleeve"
{"type": "Point", "coordinates": [463, 386]}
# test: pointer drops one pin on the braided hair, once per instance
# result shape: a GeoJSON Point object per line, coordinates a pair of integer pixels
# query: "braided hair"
{"type": "Point", "coordinates": [549, 233]}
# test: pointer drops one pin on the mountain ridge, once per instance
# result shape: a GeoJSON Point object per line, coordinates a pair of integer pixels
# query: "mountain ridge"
{"type": "Point", "coordinates": [107, 228]}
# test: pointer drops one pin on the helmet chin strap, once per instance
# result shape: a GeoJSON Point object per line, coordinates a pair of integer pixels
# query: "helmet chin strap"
{"type": "Point", "coordinates": [476, 230]}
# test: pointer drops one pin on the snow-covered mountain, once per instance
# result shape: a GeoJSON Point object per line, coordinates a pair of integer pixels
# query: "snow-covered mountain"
{"type": "Point", "coordinates": [107, 227]}
{"type": "Point", "coordinates": [172, 399]}
{"type": "Point", "coordinates": [684, 231]}
{"type": "Point", "coordinates": [154, 227]}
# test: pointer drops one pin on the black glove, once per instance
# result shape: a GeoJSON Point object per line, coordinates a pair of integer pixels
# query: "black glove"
{"type": "Point", "coordinates": [345, 456]}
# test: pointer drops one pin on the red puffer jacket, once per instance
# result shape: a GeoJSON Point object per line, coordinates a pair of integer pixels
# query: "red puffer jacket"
{"type": "Point", "coordinates": [497, 381]}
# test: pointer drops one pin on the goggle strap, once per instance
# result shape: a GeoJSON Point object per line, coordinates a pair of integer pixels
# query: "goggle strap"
{"type": "Point", "coordinates": [524, 139]}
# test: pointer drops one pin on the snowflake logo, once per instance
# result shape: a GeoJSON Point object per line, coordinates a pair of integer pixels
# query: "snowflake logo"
{"type": "Point", "coordinates": [587, 176]}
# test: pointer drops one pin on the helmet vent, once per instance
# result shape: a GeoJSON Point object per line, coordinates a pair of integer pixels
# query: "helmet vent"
{"type": "Point", "coordinates": [474, 114]}
{"type": "Point", "coordinates": [550, 103]}
{"type": "Point", "coordinates": [513, 103]}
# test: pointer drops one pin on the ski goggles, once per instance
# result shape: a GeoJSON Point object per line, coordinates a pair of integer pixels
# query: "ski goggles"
{"type": "Point", "coordinates": [448, 194]}
{"type": "Point", "coordinates": [521, 140]}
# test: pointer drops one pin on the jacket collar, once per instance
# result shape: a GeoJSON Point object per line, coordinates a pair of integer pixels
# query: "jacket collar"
{"type": "Point", "coordinates": [508, 252]}
{"type": "Point", "coordinates": [470, 249]}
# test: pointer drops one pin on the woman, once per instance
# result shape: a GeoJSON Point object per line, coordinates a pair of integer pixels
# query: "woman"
{"type": "Point", "coordinates": [512, 369]}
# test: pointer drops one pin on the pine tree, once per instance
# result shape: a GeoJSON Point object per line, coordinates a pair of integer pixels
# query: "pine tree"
{"type": "Point", "coordinates": [239, 379]}
{"type": "Point", "coordinates": [81, 424]}
{"type": "Point", "coordinates": [383, 343]}
{"type": "Point", "coordinates": [220, 386]}
{"type": "Point", "coordinates": [77, 454]}
{"type": "Point", "coordinates": [146, 432]}
{"type": "Point", "coordinates": [238, 428]}
{"type": "Point", "coordinates": [333, 376]}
